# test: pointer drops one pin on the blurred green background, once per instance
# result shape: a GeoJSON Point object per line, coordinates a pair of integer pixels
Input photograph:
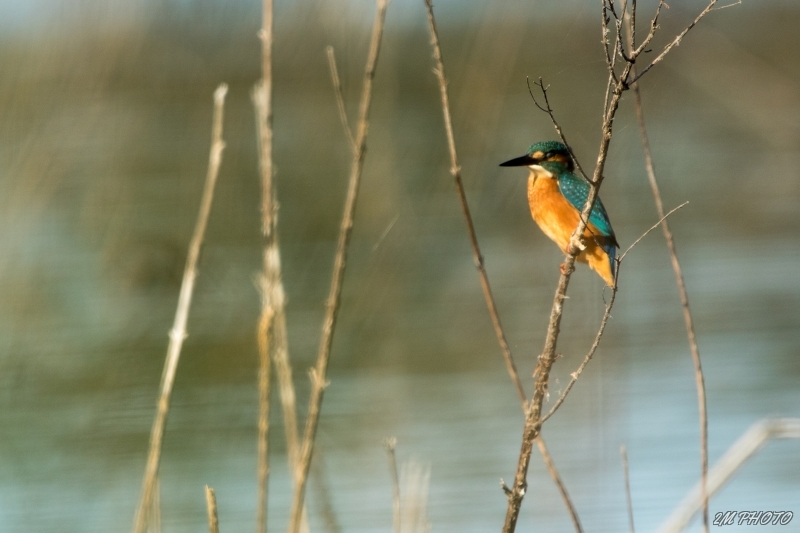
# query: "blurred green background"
{"type": "Point", "coordinates": [105, 112]}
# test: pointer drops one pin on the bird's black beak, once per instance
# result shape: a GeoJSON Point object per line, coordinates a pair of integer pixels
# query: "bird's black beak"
{"type": "Point", "coordinates": [523, 161]}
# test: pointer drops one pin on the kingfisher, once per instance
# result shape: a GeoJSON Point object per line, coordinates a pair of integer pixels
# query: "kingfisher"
{"type": "Point", "coordinates": [556, 196]}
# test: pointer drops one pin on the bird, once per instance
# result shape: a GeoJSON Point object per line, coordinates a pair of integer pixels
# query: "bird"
{"type": "Point", "coordinates": [556, 196]}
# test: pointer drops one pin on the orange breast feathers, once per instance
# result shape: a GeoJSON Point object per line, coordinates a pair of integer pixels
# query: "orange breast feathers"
{"type": "Point", "coordinates": [558, 219]}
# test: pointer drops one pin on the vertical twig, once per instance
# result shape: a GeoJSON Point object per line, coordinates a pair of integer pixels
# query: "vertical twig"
{"type": "Point", "coordinates": [390, 444]}
{"type": "Point", "coordinates": [318, 374]}
{"type": "Point", "coordinates": [211, 507]}
{"type": "Point", "coordinates": [676, 267]}
{"type": "Point", "coordinates": [271, 331]}
{"type": "Point", "coordinates": [628, 499]}
{"type": "Point", "coordinates": [178, 332]}
{"type": "Point", "coordinates": [687, 312]}
{"type": "Point", "coordinates": [270, 284]}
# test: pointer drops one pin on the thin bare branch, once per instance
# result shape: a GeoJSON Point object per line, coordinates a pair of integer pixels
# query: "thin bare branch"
{"type": "Point", "coordinates": [610, 56]}
{"type": "Point", "coordinates": [178, 332]}
{"type": "Point", "coordinates": [628, 500]}
{"type": "Point", "coordinates": [575, 375]}
{"type": "Point", "coordinates": [548, 356]}
{"type": "Point", "coordinates": [562, 489]}
{"type": "Point", "coordinates": [675, 42]}
{"type": "Point", "coordinates": [337, 91]}
{"type": "Point", "coordinates": [455, 170]}
{"type": "Point", "coordinates": [211, 508]}
{"type": "Point", "coordinates": [620, 82]}
{"type": "Point", "coordinates": [726, 6]}
{"type": "Point", "coordinates": [684, 295]}
{"type": "Point", "coordinates": [318, 374]}
{"type": "Point", "coordinates": [390, 444]}
{"type": "Point", "coordinates": [650, 229]}
{"type": "Point", "coordinates": [606, 315]}
{"type": "Point", "coordinates": [549, 110]}
{"type": "Point", "coordinates": [650, 34]}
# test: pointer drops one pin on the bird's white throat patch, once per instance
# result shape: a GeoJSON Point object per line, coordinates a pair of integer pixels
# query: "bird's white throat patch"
{"type": "Point", "coordinates": [540, 172]}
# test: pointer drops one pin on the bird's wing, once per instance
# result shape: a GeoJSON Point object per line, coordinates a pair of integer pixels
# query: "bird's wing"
{"type": "Point", "coordinates": [576, 190]}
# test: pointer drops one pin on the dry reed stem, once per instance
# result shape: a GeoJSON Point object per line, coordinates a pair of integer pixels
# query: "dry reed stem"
{"type": "Point", "coordinates": [211, 508]}
{"type": "Point", "coordinates": [264, 390]}
{"type": "Point", "coordinates": [684, 295]}
{"type": "Point", "coordinates": [178, 332]}
{"type": "Point", "coordinates": [533, 422]}
{"type": "Point", "coordinates": [390, 444]}
{"type": "Point", "coordinates": [271, 332]}
{"type": "Point", "coordinates": [628, 500]}
{"type": "Point", "coordinates": [270, 284]}
{"type": "Point", "coordinates": [740, 451]}
{"type": "Point", "coordinates": [319, 372]}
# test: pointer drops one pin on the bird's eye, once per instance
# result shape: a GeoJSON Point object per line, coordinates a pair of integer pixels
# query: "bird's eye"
{"type": "Point", "coordinates": [548, 155]}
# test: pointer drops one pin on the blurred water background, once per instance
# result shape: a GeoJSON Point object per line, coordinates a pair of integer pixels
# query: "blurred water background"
{"type": "Point", "coordinates": [105, 112]}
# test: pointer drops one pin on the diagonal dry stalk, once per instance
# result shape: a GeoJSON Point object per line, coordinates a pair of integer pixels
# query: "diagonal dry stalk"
{"type": "Point", "coordinates": [548, 462]}
{"type": "Point", "coordinates": [455, 170]}
{"type": "Point", "coordinates": [319, 372]}
{"type": "Point", "coordinates": [620, 81]}
{"type": "Point", "coordinates": [178, 332]}
{"type": "Point", "coordinates": [731, 461]}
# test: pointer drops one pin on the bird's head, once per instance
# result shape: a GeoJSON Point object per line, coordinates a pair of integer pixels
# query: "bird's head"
{"type": "Point", "coordinates": [552, 156]}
